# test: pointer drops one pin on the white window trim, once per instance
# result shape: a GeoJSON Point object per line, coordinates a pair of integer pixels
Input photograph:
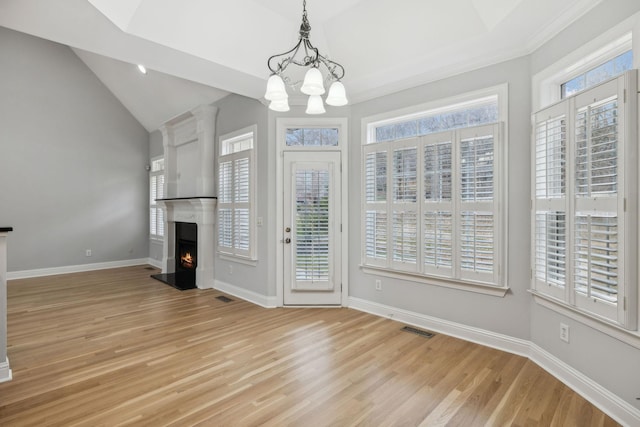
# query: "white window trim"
{"type": "Point", "coordinates": [501, 189]}
{"type": "Point", "coordinates": [251, 257]}
{"type": "Point", "coordinates": [156, 237]}
{"type": "Point", "coordinates": [617, 40]}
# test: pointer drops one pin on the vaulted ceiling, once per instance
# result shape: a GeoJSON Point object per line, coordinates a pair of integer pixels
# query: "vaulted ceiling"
{"type": "Point", "coordinates": [200, 50]}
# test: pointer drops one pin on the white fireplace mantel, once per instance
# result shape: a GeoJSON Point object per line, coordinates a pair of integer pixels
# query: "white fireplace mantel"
{"type": "Point", "coordinates": [202, 212]}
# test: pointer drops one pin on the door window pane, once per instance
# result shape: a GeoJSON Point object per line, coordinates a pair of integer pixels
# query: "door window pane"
{"type": "Point", "coordinates": [312, 225]}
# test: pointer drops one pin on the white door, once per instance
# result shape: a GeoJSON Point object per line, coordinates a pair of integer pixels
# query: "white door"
{"type": "Point", "coordinates": [311, 235]}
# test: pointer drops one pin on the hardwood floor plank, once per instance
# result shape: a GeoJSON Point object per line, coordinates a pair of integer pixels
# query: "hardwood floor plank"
{"type": "Point", "coordinates": [115, 347]}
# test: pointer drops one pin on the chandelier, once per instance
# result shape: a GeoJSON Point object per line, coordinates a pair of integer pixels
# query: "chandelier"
{"type": "Point", "coordinates": [305, 55]}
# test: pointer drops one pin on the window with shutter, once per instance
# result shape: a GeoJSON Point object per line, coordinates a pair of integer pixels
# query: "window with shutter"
{"type": "Point", "coordinates": [579, 238]}
{"type": "Point", "coordinates": [438, 208]}
{"type": "Point", "coordinates": [236, 195]}
{"type": "Point", "coordinates": [375, 220]}
{"type": "Point", "coordinates": [440, 218]}
{"type": "Point", "coordinates": [156, 191]}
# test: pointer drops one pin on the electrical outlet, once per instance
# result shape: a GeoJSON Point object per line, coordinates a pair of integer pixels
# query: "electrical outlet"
{"type": "Point", "coordinates": [378, 285]}
{"type": "Point", "coordinates": [87, 252]}
{"type": "Point", "coordinates": [564, 332]}
{"type": "Point", "coordinates": [259, 221]}
{"type": "Point", "coordinates": [230, 269]}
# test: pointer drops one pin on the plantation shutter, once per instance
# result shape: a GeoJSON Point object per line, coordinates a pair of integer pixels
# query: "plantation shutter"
{"type": "Point", "coordinates": [404, 206]}
{"type": "Point", "coordinates": [375, 212]}
{"type": "Point", "coordinates": [430, 205]}
{"type": "Point", "coordinates": [156, 191]}
{"type": "Point", "coordinates": [438, 207]}
{"type": "Point", "coordinates": [477, 205]}
{"type": "Point", "coordinates": [241, 223]}
{"type": "Point", "coordinates": [583, 191]}
{"type": "Point", "coordinates": [549, 187]}
{"type": "Point", "coordinates": [234, 197]}
{"type": "Point", "coordinates": [599, 228]}
{"type": "Point", "coordinates": [313, 218]}
{"type": "Point", "coordinates": [225, 207]}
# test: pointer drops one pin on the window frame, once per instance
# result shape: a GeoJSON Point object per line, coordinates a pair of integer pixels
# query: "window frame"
{"type": "Point", "coordinates": [499, 286]}
{"type": "Point", "coordinates": [234, 253]}
{"type": "Point", "coordinates": [153, 205]}
{"type": "Point", "coordinates": [547, 83]}
{"type": "Point", "coordinates": [584, 74]}
{"type": "Point", "coordinates": [623, 315]}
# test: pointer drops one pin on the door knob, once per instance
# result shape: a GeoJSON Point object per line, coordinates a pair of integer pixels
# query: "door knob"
{"type": "Point", "coordinates": [287, 240]}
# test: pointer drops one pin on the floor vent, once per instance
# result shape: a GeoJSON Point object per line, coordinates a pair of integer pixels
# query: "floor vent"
{"type": "Point", "coordinates": [224, 299]}
{"type": "Point", "coordinates": [418, 331]}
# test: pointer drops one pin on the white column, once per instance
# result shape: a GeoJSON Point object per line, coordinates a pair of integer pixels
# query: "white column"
{"type": "Point", "coordinates": [170, 162]}
{"type": "Point", "coordinates": [5, 370]}
{"type": "Point", "coordinates": [205, 130]}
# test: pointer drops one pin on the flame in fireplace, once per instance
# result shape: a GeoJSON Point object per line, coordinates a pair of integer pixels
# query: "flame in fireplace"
{"type": "Point", "coordinates": [187, 260]}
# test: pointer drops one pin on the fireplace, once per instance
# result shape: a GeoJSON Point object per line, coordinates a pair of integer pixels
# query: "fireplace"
{"type": "Point", "coordinates": [189, 205]}
{"type": "Point", "coordinates": [186, 257]}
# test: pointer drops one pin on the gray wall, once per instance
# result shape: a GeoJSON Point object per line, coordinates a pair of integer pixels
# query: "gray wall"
{"type": "Point", "coordinates": [156, 149]}
{"type": "Point", "coordinates": [237, 112]}
{"type": "Point", "coordinates": [610, 362]}
{"type": "Point", "coordinates": [72, 161]}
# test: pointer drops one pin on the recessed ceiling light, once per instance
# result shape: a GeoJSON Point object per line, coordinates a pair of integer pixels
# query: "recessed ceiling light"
{"type": "Point", "coordinates": [142, 69]}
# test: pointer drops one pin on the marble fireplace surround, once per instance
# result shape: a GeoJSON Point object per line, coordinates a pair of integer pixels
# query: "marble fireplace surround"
{"type": "Point", "coordinates": [189, 187]}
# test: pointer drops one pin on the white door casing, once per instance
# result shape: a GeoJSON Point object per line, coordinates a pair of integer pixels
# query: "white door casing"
{"type": "Point", "coordinates": [284, 125]}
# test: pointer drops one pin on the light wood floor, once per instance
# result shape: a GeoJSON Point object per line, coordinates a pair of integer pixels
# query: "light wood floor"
{"type": "Point", "coordinates": [116, 347]}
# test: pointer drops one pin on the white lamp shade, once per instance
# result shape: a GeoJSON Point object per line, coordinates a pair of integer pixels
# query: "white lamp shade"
{"type": "Point", "coordinates": [275, 89]}
{"type": "Point", "coordinates": [281, 105]}
{"type": "Point", "coordinates": [315, 105]}
{"type": "Point", "coordinates": [313, 82]}
{"type": "Point", "coordinates": [337, 95]}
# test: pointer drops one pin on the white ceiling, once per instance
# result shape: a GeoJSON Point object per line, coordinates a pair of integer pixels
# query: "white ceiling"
{"type": "Point", "coordinates": [153, 98]}
{"type": "Point", "coordinates": [384, 45]}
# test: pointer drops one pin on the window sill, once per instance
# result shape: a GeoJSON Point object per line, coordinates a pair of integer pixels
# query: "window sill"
{"type": "Point", "coordinates": [479, 288]}
{"type": "Point", "coordinates": [156, 239]}
{"type": "Point", "coordinates": [238, 259]}
{"type": "Point", "coordinates": [615, 331]}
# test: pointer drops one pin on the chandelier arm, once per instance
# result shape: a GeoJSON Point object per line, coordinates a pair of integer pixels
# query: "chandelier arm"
{"type": "Point", "coordinates": [336, 71]}
{"type": "Point", "coordinates": [281, 66]}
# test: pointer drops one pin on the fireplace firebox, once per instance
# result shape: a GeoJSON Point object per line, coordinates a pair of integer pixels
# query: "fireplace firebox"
{"type": "Point", "coordinates": [186, 246]}
{"type": "Point", "coordinates": [186, 258]}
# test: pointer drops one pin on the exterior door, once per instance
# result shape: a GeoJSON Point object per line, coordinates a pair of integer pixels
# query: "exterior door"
{"type": "Point", "coordinates": [312, 223]}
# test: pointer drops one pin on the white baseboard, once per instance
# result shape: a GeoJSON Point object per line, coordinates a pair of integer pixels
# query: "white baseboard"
{"type": "Point", "coordinates": [25, 274]}
{"type": "Point", "coordinates": [154, 262]}
{"type": "Point", "coordinates": [467, 333]}
{"type": "Point", "coordinates": [252, 297]}
{"type": "Point", "coordinates": [5, 371]}
{"type": "Point", "coordinates": [608, 402]}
